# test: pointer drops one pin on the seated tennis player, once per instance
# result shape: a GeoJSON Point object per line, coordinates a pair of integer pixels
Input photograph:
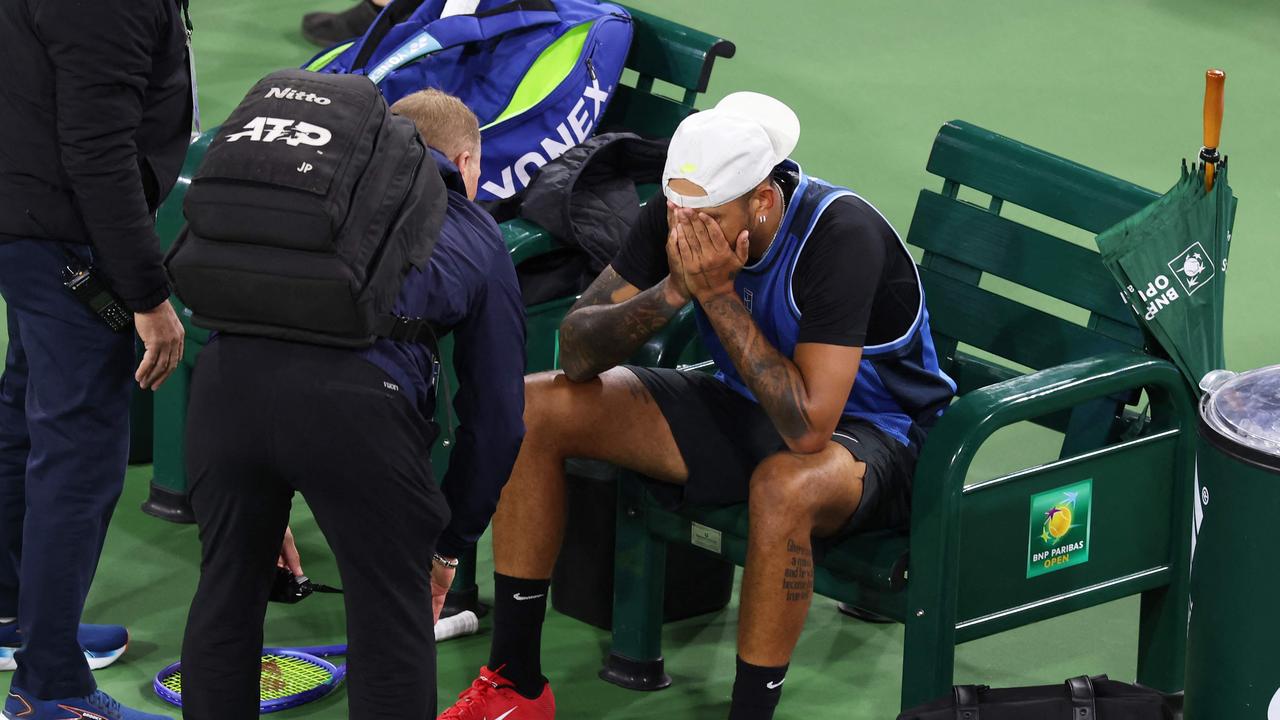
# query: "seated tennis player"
{"type": "Point", "coordinates": [351, 431]}
{"type": "Point", "coordinates": [826, 384]}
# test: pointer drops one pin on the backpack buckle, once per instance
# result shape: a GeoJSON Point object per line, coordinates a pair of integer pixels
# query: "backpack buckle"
{"type": "Point", "coordinates": [406, 329]}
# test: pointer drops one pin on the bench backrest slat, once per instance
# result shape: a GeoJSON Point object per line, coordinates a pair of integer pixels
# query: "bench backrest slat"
{"type": "Point", "coordinates": [674, 54]}
{"type": "Point", "coordinates": [1020, 254]}
{"type": "Point", "coordinates": [963, 242]}
{"type": "Point", "coordinates": [1030, 177]}
{"type": "Point", "coordinates": [1007, 328]}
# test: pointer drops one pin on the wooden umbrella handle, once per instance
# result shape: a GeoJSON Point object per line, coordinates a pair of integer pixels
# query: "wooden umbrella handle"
{"type": "Point", "coordinates": [1213, 86]}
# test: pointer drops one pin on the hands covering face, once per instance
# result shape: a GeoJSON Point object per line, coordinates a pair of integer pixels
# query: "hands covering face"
{"type": "Point", "coordinates": [703, 261]}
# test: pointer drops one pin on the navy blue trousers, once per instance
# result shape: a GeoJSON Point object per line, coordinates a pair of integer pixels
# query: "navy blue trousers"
{"type": "Point", "coordinates": [64, 446]}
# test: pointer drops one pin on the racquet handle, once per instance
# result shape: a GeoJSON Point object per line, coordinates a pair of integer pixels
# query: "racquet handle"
{"type": "Point", "coordinates": [464, 623]}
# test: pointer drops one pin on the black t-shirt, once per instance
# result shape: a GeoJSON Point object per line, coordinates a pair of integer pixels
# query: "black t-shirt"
{"type": "Point", "coordinates": [854, 282]}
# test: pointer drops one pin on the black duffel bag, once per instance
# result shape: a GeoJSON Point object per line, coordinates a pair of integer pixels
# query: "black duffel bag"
{"type": "Point", "coordinates": [1081, 698]}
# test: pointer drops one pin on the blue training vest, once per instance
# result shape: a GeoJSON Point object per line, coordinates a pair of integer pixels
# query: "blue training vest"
{"type": "Point", "coordinates": [899, 386]}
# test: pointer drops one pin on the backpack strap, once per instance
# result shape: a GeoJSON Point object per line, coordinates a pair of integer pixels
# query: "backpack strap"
{"type": "Point", "coordinates": [1080, 690]}
{"type": "Point", "coordinates": [393, 14]}
{"type": "Point", "coordinates": [453, 31]}
{"type": "Point", "coordinates": [966, 701]}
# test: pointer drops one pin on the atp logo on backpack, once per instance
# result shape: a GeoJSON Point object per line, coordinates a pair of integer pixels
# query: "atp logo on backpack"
{"type": "Point", "coordinates": [293, 132]}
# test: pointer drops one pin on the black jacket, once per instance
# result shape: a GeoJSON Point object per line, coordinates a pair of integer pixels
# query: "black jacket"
{"type": "Point", "coordinates": [95, 117]}
{"type": "Point", "coordinates": [587, 198]}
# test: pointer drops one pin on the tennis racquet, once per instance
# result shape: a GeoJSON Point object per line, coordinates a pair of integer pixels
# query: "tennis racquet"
{"type": "Point", "coordinates": [290, 677]}
{"type": "Point", "coordinates": [296, 676]}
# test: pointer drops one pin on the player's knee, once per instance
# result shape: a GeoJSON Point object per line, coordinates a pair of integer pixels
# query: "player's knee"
{"type": "Point", "coordinates": [778, 490]}
{"type": "Point", "coordinates": [545, 402]}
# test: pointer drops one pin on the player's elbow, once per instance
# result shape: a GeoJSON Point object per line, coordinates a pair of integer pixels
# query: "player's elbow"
{"type": "Point", "coordinates": [576, 367]}
{"type": "Point", "coordinates": [572, 355]}
{"type": "Point", "coordinates": [808, 443]}
{"type": "Point", "coordinates": [578, 372]}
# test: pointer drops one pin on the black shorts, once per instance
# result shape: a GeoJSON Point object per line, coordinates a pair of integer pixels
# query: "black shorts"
{"type": "Point", "coordinates": [723, 436]}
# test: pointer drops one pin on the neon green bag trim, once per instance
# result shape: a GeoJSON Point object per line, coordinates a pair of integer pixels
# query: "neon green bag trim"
{"type": "Point", "coordinates": [328, 57]}
{"type": "Point", "coordinates": [547, 72]}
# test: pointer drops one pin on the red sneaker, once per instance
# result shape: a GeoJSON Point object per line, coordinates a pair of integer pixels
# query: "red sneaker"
{"type": "Point", "coordinates": [493, 697]}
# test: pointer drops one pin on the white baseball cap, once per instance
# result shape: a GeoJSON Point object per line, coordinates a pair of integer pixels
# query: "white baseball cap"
{"type": "Point", "coordinates": [730, 149]}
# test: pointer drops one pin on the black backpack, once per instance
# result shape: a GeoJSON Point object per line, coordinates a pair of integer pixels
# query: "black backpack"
{"type": "Point", "coordinates": [312, 203]}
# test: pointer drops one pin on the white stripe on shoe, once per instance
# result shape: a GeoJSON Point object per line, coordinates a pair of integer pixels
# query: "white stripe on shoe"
{"type": "Point", "coordinates": [96, 661]}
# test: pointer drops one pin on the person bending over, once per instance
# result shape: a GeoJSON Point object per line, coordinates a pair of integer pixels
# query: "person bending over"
{"type": "Point", "coordinates": [351, 430]}
{"type": "Point", "coordinates": [826, 382]}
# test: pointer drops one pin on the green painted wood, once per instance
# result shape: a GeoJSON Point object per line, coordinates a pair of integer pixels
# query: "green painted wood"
{"type": "Point", "coordinates": [877, 560]}
{"type": "Point", "coordinates": [846, 572]}
{"type": "Point", "coordinates": [1122, 331]}
{"type": "Point", "coordinates": [672, 52]}
{"type": "Point", "coordinates": [1009, 329]}
{"type": "Point", "coordinates": [525, 240]}
{"type": "Point", "coordinates": [1035, 179]}
{"type": "Point", "coordinates": [643, 113]}
{"type": "Point", "coordinates": [1023, 255]}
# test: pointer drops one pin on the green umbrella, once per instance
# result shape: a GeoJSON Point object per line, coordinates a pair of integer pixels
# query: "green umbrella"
{"type": "Point", "coordinates": [1170, 260]}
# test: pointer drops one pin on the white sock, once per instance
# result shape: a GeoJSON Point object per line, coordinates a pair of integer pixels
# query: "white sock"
{"type": "Point", "coordinates": [6, 620]}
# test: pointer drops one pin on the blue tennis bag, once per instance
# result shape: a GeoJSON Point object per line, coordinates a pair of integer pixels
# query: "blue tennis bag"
{"type": "Point", "coordinates": [537, 73]}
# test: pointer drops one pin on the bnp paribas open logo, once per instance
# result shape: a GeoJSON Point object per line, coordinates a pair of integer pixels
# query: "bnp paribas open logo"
{"type": "Point", "coordinates": [1193, 268]}
{"type": "Point", "coordinates": [1059, 528]}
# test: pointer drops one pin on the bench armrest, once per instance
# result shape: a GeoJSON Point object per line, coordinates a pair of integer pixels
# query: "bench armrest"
{"type": "Point", "coordinates": [974, 417]}
{"type": "Point", "coordinates": [672, 52]}
{"type": "Point", "coordinates": [664, 349]}
{"type": "Point", "coordinates": [526, 240]}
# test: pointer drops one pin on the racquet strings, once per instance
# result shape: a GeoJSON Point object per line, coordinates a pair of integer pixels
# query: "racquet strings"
{"type": "Point", "coordinates": [283, 676]}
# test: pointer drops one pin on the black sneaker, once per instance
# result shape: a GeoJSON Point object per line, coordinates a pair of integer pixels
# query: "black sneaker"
{"type": "Point", "coordinates": [326, 28]}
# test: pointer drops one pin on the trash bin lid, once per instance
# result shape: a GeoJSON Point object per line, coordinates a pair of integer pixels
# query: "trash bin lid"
{"type": "Point", "coordinates": [1245, 409]}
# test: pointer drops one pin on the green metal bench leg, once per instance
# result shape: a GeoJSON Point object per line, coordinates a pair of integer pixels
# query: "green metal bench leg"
{"type": "Point", "coordinates": [928, 658]}
{"type": "Point", "coordinates": [168, 498]}
{"type": "Point", "coordinates": [1162, 638]}
{"type": "Point", "coordinates": [1162, 625]}
{"type": "Point", "coordinates": [635, 659]}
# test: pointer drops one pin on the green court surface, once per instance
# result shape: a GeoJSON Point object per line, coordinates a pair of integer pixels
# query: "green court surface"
{"type": "Point", "coordinates": [1117, 86]}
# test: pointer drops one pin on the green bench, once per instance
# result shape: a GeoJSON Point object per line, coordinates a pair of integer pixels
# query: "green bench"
{"type": "Point", "coordinates": [661, 50]}
{"type": "Point", "coordinates": [968, 552]}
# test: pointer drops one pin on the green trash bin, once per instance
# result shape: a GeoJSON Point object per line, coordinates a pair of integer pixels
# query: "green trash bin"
{"type": "Point", "coordinates": [1233, 647]}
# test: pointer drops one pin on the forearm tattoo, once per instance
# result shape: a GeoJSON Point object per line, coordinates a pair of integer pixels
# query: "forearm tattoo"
{"type": "Point", "coordinates": [797, 578]}
{"type": "Point", "coordinates": [774, 379]}
{"type": "Point", "coordinates": [600, 333]}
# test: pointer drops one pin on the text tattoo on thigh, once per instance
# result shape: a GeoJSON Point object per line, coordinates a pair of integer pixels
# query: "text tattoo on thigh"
{"type": "Point", "coordinates": [797, 578]}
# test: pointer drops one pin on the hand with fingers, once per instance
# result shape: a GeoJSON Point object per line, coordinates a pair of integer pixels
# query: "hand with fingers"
{"type": "Point", "coordinates": [441, 581]}
{"type": "Point", "coordinates": [289, 557]}
{"type": "Point", "coordinates": [678, 292]}
{"type": "Point", "coordinates": [708, 261]}
{"type": "Point", "coordinates": [163, 337]}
